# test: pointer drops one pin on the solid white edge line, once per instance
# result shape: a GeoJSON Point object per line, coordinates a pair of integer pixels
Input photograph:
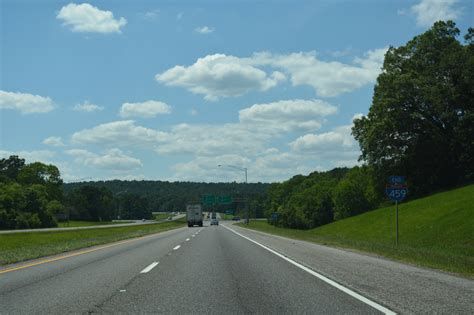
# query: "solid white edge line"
{"type": "Point", "coordinates": [176, 247]}
{"type": "Point", "coordinates": [320, 276]}
{"type": "Point", "coordinates": [150, 267]}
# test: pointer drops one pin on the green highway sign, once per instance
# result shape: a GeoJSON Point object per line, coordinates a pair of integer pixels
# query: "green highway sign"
{"type": "Point", "coordinates": [208, 200]}
{"type": "Point", "coordinates": [225, 200]}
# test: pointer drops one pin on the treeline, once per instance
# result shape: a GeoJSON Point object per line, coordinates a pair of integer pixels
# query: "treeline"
{"type": "Point", "coordinates": [30, 194]}
{"type": "Point", "coordinates": [163, 196]}
{"type": "Point", "coordinates": [420, 125]}
{"type": "Point", "coordinates": [306, 202]}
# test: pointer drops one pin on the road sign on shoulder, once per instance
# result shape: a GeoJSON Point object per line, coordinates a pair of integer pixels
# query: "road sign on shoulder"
{"type": "Point", "coordinates": [397, 180]}
{"type": "Point", "coordinates": [396, 188]}
{"type": "Point", "coordinates": [396, 193]}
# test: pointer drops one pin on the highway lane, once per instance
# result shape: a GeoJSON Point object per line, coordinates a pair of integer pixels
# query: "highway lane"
{"type": "Point", "coordinates": [188, 270]}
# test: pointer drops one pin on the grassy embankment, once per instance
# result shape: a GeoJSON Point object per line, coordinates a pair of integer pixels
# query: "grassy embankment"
{"type": "Point", "coordinates": [23, 246]}
{"type": "Point", "coordinates": [435, 231]}
{"type": "Point", "coordinates": [161, 216]}
{"type": "Point", "coordinates": [87, 223]}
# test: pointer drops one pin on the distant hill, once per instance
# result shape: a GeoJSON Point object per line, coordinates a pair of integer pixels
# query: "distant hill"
{"type": "Point", "coordinates": [173, 196]}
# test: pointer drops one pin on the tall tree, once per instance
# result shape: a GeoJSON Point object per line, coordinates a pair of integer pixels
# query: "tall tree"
{"type": "Point", "coordinates": [421, 121]}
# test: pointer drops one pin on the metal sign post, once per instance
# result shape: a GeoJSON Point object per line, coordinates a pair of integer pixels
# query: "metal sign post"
{"type": "Point", "coordinates": [396, 189]}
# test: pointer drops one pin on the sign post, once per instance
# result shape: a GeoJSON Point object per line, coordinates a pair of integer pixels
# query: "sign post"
{"type": "Point", "coordinates": [396, 189]}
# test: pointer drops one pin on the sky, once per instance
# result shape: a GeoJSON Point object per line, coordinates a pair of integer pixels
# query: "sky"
{"type": "Point", "coordinates": [170, 90]}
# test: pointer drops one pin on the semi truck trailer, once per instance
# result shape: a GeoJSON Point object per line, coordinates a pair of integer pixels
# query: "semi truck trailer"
{"type": "Point", "coordinates": [194, 215]}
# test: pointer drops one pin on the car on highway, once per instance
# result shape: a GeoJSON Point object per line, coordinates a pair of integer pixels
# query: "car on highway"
{"type": "Point", "coordinates": [214, 222]}
{"type": "Point", "coordinates": [236, 218]}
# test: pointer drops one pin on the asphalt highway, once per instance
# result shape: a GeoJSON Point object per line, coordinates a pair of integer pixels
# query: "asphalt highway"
{"type": "Point", "coordinates": [210, 270]}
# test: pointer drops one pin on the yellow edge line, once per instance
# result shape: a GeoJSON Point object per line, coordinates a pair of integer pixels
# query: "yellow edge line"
{"type": "Point", "coordinates": [78, 253]}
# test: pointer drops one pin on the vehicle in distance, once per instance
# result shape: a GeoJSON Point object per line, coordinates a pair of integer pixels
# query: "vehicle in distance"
{"type": "Point", "coordinates": [236, 218]}
{"type": "Point", "coordinates": [194, 215]}
{"type": "Point", "coordinates": [214, 222]}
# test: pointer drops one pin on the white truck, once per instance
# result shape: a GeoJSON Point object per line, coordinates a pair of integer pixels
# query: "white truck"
{"type": "Point", "coordinates": [194, 215]}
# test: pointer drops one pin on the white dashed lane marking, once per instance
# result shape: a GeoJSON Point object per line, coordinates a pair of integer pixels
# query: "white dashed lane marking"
{"type": "Point", "coordinates": [150, 267]}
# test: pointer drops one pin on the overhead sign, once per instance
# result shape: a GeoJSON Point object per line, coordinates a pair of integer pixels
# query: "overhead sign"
{"type": "Point", "coordinates": [396, 188]}
{"type": "Point", "coordinates": [225, 200]}
{"type": "Point", "coordinates": [208, 200]}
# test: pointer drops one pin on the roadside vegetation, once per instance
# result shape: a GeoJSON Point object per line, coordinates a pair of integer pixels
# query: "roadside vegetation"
{"type": "Point", "coordinates": [160, 216]}
{"type": "Point", "coordinates": [88, 223]}
{"type": "Point", "coordinates": [435, 231]}
{"type": "Point", "coordinates": [16, 247]}
{"type": "Point", "coordinates": [420, 125]}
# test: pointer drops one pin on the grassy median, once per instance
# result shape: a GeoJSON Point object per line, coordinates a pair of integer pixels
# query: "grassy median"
{"type": "Point", "coordinates": [18, 247]}
{"type": "Point", "coordinates": [436, 231]}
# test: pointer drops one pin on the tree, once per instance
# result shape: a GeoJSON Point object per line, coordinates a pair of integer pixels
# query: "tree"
{"type": "Point", "coordinates": [42, 174]}
{"type": "Point", "coordinates": [355, 193]}
{"type": "Point", "coordinates": [9, 168]}
{"type": "Point", "coordinates": [421, 121]}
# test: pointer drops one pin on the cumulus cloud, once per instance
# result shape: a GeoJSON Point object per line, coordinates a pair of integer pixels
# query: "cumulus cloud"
{"type": "Point", "coordinates": [53, 141]}
{"type": "Point", "coordinates": [204, 30]}
{"type": "Point", "coordinates": [429, 11]}
{"type": "Point", "coordinates": [270, 166]}
{"type": "Point", "coordinates": [211, 140]}
{"type": "Point", "coordinates": [87, 107]}
{"type": "Point", "coordinates": [119, 133]}
{"type": "Point", "coordinates": [337, 146]}
{"type": "Point", "coordinates": [43, 156]}
{"type": "Point", "coordinates": [148, 109]}
{"type": "Point", "coordinates": [112, 159]}
{"type": "Point", "coordinates": [25, 103]}
{"type": "Point", "coordinates": [287, 115]}
{"type": "Point", "coordinates": [217, 76]}
{"type": "Point", "coordinates": [85, 18]}
{"type": "Point", "coordinates": [328, 79]}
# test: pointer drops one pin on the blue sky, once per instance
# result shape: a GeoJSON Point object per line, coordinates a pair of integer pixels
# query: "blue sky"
{"type": "Point", "coordinates": [169, 90]}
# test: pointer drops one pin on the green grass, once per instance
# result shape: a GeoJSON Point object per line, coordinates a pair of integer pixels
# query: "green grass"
{"type": "Point", "coordinates": [436, 231]}
{"type": "Point", "coordinates": [227, 216]}
{"type": "Point", "coordinates": [161, 216]}
{"type": "Point", "coordinates": [87, 223]}
{"type": "Point", "coordinates": [18, 247]}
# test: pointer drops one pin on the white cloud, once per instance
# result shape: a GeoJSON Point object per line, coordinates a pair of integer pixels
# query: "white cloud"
{"type": "Point", "coordinates": [43, 156]}
{"type": "Point", "coordinates": [151, 15]}
{"type": "Point", "coordinates": [287, 115]}
{"type": "Point", "coordinates": [206, 169]}
{"type": "Point", "coordinates": [87, 107]}
{"type": "Point", "coordinates": [328, 79]}
{"type": "Point", "coordinates": [211, 140]}
{"type": "Point", "coordinates": [146, 109]}
{"type": "Point", "coordinates": [270, 166]}
{"type": "Point", "coordinates": [217, 76]}
{"type": "Point", "coordinates": [119, 133]}
{"type": "Point", "coordinates": [194, 112]}
{"type": "Point", "coordinates": [429, 11]}
{"type": "Point", "coordinates": [338, 147]}
{"type": "Point", "coordinates": [112, 159]}
{"type": "Point", "coordinates": [339, 138]}
{"type": "Point", "coordinates": [204, 30]}
{"type": "Point", "coordinates": [53, 141]}
{"type": "Point", "coordinates": [85, 18]}
{"type": "Point", "coordinates": [25, 103]}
